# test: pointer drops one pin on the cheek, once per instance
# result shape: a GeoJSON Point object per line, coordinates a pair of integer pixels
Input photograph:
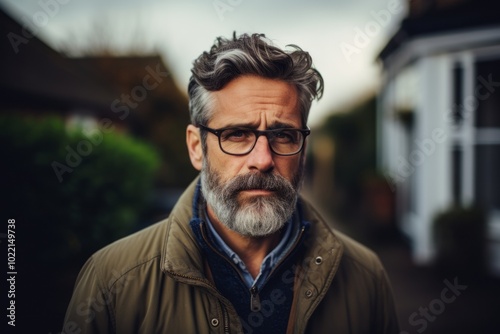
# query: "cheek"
{"type": "Point", "coordinates": [226, 166]}
{"type": "Point", "coordinates": [288, 167]}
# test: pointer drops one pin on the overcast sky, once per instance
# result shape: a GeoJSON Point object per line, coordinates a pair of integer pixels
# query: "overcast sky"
{"type": "Point", "coordinates": [343, 36]}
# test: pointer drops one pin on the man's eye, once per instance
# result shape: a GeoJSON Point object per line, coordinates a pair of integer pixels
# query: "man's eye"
{"type": "Point", "coordinates": [235, 134]}
{"type": "Point", "coordinates": [285, 136]}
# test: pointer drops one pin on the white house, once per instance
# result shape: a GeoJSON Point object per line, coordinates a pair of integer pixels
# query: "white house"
{"type": "Point", "coordinates": [439, 117]}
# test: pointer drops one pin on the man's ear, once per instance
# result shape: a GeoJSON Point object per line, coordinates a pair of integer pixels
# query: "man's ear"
{"type": "Point", "coordinates": [193, 140]}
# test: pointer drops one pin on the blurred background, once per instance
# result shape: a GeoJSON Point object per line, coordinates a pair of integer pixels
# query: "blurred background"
{"type": "Point", "coordinates": [404, 155]}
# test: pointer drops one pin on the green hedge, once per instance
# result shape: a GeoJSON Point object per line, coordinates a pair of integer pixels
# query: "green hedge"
{"type": "Point", "coordinates": [71, 194]}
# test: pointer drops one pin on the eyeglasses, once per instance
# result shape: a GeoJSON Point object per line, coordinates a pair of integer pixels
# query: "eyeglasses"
{"type": "Point", "coordinates": [241, 141]}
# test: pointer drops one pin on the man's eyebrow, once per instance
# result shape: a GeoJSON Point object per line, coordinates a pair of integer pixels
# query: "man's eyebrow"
{"type": "Point", "coordinates": [240, 125]}
{"type": "Point", "coordinates": [281, 125]}
{"type": "Point", "coordinates": [274, 125]}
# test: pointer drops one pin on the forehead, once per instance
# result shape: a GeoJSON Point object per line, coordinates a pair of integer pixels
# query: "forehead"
{"type": "Point", "coordinates": [256, 101]}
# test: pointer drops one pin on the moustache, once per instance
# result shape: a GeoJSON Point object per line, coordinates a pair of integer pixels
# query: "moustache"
{"type": "Point", "coordinates": [270, 182]}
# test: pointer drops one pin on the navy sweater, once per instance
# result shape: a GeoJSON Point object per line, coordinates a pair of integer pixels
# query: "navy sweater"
{"type": "Point", "coordinates": [265, 311]}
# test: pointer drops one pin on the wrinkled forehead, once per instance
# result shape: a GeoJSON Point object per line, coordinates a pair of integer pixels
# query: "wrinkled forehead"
{"type": "Point", "coordinates": [254, 101]}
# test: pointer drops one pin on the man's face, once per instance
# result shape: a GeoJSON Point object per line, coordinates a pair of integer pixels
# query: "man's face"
{"type": "Point", "coordinates": [253, 194]}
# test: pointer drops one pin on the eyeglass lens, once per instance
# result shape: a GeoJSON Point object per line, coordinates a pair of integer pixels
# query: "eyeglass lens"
{"type": "Point", "coordinates": [241, 141]}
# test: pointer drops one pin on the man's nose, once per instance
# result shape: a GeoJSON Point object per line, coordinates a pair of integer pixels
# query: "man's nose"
{"type": "Point", "coordinates": [261, 157]}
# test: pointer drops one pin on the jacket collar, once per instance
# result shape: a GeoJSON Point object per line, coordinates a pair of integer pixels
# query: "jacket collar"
{"type": "Point", "coordinates": [180, 253]}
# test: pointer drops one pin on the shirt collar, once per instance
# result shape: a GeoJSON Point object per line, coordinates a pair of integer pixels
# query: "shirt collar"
{"type": "Point", "coordinates": [290, 234]}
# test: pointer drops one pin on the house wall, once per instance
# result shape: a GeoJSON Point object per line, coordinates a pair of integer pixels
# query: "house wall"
{"type": "Point", "coordinates": [432, 142]}
{"type": "Point", "coordinates": [416, 152]}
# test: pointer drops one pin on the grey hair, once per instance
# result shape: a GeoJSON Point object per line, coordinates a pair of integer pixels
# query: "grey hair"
{"type": "Point", "coordinates": [254, 55]}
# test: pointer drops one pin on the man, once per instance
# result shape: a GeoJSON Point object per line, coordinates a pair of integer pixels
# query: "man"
{"type": "Point", "coordinates": [241, 252]}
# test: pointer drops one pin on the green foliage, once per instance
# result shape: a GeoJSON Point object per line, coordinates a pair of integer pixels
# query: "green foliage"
{"type": "Point", "coordinates": [354, 136]}
{"type": "Point", "coordinates": [459, 235]}
{"type": "Point", "coordinates": [97, 197]}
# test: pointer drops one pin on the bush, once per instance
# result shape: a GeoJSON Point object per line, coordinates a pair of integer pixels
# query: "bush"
{"type": "Point", "coordinates": [460, 241]}
{"type": "Point", "coordinates": [92, 202]}
{"type": "Point", "coordinates": [353, 134]}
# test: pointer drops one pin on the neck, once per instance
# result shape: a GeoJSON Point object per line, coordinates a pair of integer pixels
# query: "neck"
{"type": "Point", "coordinates": [251, 250]}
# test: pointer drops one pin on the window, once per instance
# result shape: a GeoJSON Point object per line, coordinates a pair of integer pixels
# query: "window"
{"type": "Point", "coordinates": [487, 169]}
{"type": "Point", "coordinates": [456, 174]}
{"type": "Point", "coordinates": [487, 92]}
{"type": "Point", "coordinates": [458, 92]}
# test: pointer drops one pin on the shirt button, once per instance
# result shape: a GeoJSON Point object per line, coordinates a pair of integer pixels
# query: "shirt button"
{"type": "Point", "coordinates": [318, 260]}
{"type": "Point", "coordinates": [309, 293]}
{"type": "Point", "coordinates": [215, 322]}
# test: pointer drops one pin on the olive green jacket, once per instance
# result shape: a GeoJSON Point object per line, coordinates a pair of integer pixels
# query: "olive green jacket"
{"type": "Point", "coordinates": [155, 281]}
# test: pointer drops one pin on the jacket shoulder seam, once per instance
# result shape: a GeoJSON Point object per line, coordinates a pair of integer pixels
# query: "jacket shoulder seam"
{"type": "Point", "coordinates": [133, 268]}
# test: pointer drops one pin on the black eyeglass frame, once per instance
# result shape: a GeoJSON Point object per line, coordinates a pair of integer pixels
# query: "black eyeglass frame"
{"type": "Point", "coordinates": [258, 133]}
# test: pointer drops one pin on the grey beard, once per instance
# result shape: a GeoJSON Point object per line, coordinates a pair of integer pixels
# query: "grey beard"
{"type": "Point", "coordinates": [257, 216]}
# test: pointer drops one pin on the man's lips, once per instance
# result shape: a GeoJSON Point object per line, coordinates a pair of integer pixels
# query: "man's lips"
{"type": "Point", "coordinates": [258, 191]}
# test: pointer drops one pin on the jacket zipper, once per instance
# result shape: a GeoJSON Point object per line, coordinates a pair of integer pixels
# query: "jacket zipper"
{"type": "Point", "coordinates": [254, 299]}
{"type": "Point", "coordinates": [226, 318]}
